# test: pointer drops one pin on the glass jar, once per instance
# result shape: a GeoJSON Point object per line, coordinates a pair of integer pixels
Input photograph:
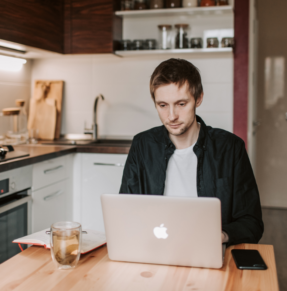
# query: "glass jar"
{"type": "Point", "coordinates": [126, 45]}
{"type": "Point", "coordinates": [181, 40]}
{"type": "Point", "coordinates": [140, 5]}
{"type": "Point", "coordinates": [164, 36]}
{"type": "Point", "coordinates": [150, 44]}
{"type": "Point", "coordinates": [189, 3]}
{"type": "Point", "coordinates": [222, 2]}
{"type": "Point", "coordinates": [227, 42]}
{"type": "Point", "coordinates": [212, 42]}
{"type": "Point", "coordinates": [138, 44]}
{"type": "Point", "coordinates": [173, 3]}
{"type": "Point", "coordinates": [207, 3]}
{"type": "Point", "coordinates": [127, 5]}
{"type": "Point", "coordinates": [196, 43]}
{"type": "Point", "coordinates": [156, 4]}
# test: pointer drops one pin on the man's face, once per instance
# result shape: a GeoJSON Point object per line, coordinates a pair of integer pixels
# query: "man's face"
{"type": "Point", "coordinates": [176, 107]}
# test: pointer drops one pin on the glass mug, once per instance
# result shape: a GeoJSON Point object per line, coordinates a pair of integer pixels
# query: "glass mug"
{"type": "Point", "coordinates": [66, 243]}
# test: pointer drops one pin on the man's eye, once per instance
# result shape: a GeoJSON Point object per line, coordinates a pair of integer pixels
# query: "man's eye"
{"type": "Point", "coordinates": [162, 105]}
{"type": "Point", "coordinates": [181, 104]}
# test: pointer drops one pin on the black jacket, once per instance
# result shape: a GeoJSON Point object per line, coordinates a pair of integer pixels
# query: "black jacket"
{"type": "Point", "coordinates": [223, 171]}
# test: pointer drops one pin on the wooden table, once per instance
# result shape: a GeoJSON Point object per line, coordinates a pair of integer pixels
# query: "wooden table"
{"type": "Point", "coordinates": [33, 269]}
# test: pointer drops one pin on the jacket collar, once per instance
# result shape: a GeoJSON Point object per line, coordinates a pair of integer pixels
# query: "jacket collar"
{"type": "Point", "coordinates": [201, 142]}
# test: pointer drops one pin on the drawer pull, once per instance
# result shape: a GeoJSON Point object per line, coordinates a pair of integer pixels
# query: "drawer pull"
{"type": "Point", "coordinates": [53, 169]}
{"type": "Point", "coordinates": [106, 164]}
{"type": "Point", "coordinates": [51, 196]}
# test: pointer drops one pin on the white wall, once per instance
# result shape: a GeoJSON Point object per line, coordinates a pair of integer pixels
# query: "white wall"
{"type": "Point", "coordinates": [128, 108]}
{"type": "Point", "coordinates": [15, 85]}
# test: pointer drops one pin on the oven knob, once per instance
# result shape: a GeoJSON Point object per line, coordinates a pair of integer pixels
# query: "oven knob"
{"type": "Point", "coordinates": [13, 185]}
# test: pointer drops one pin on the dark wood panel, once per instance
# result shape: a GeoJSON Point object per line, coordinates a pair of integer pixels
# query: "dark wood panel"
{"type": "Point", "coordinates": [241, 31]}
{"type": "Point", "coordinates": [94, 28]}
{"type": "Point", "coordinates": [36, 23]}
{"type": "Point", "coordinates": [67, 27]}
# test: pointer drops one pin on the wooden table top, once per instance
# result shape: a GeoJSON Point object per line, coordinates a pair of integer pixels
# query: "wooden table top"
{"type": "Point", "coordinates": [33, 269]}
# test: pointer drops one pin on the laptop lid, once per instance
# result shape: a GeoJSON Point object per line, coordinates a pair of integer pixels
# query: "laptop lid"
{"type": "Point", "coordinates": [163, 230]}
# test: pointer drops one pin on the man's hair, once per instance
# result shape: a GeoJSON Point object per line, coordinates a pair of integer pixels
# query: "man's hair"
{"type": "Point", "coordinates": [179, 72]}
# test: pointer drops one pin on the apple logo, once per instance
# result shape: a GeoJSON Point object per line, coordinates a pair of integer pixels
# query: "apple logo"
{"type": "Point", "coordinates": [160, 232]}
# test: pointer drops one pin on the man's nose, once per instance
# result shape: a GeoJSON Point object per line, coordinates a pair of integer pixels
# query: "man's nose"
{"type": "Point", "coordinates": [172, 114]}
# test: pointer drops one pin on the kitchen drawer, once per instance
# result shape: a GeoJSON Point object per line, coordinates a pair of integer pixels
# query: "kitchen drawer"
{"type": "Point", "coordinates": [49, 205]}
{"type": "Point", "coordinates": [49, 172]}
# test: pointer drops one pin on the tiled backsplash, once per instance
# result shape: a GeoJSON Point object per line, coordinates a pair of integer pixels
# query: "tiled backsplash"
{"type": "Point", "coordinates": [128, 107]}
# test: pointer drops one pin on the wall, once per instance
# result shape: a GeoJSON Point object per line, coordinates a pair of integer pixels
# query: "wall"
{"type": "Point", "coordinates": [15, 85]}
{"type": "Point", "coordinates": [128, 108]}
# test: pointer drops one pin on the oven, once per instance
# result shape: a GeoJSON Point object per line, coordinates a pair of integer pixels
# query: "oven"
{"type": "Point", "coordinates": [15, 209]}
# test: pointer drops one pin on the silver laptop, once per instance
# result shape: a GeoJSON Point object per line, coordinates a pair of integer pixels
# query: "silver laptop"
{"type": "Point", "coordinates": [163, 230]}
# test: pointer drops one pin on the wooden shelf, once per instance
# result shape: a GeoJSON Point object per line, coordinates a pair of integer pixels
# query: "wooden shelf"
{"type": "Point", "coordinates": [217, 10]}
{"type": "Point", "coordinates": [174, 51]}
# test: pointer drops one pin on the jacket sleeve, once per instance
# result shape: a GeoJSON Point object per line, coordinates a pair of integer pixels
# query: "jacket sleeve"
{"type": "Point", "coordinates": [247, 225]}
{"type": "Point", "coordinates": [130, 181]}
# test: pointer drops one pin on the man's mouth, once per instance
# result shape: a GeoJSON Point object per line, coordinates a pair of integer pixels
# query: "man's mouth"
{"type": "Point", "coordinates": [174, 125]}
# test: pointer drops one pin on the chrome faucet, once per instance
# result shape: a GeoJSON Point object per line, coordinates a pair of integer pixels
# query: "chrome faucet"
{"type": "Point", "coordinates": [94, 129]}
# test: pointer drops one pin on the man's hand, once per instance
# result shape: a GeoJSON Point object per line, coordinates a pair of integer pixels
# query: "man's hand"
{"type": "Point", "coordinates": [224, 237]}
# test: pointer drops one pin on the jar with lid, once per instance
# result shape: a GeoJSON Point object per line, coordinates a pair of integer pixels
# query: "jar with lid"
{"type": "Point", "coordinates": [212, 42]}
{"type": "Point", "coordinates": [207, 3]}
{"type": "Point", "coordinates": [140, 5]}
{"type": "Point", "coordinates": [127, 5]}
{"type": "Point", "coordinates": [150, 44]}
{"type": "Point", "coordinates": [181, 40]}
{"type": "Point", "coordinates": [222, 2]}
{"type": "Point", "coordinates": [196, 43]}
{"type": "Point", "coordinates": [126, 45]}
{"type": "Point", "coordinates": [227, 42]}
{"type": "Point", "coordinates": [189, 3]}
{"type": "Point", "coordinates": [22, 116]}
{"type": "Point", "coordinates": [164, 36]}
{"type": "Point", "coordinates": [156, 4]}
{"type": "Point", "coordinates": [173, 3]}
{"type": "Point", "coordinates": [138, 44]}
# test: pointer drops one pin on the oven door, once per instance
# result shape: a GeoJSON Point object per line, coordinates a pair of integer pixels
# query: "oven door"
{"type": "Point", "coordinates": [15, 222]}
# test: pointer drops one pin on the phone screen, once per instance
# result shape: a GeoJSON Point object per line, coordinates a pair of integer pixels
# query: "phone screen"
{"type": "Point", "coordinates": [248, 259]}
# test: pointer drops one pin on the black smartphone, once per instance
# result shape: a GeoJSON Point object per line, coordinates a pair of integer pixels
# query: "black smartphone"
{"type": "Point", "coordinates": [248, 260]}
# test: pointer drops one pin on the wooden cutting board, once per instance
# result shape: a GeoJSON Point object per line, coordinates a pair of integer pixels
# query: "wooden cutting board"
{"type": "Point", "coordinates": [52, 92]}
{"type": "Point", "coordinates": [43, 114]}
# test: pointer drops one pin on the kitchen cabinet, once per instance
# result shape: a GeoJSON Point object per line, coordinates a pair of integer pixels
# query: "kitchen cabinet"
{"type": "Point", "coordinates": [35, 23]}
{"type": "Point", "coordinates": [51, 192]}
{"type": "Point", "coordinates": [90, 26]}
{"type": "Point", "coordinates": [101, 174]}
{"type": "Point", "coordinates": [49, 206]}
{"type": "Point", "coordinates": [65, 26]}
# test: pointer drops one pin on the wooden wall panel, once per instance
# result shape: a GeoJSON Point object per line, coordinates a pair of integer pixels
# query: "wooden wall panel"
{"type": "Point", "coordinates": [36, 23]}
{"type": "Point", "coordinates": [241, 59]}
{"type": "Point", "coordinates": [92, 26]}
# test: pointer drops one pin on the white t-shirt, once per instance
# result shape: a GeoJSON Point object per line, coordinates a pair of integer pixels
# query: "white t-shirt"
{"type": "Point", "coordinates": [181, 174]}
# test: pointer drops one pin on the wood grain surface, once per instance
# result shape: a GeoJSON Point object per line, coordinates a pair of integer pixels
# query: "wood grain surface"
{"type": "Point", "coordinates": [36, 23]}
{"type": "Point", "coordinates": [33, 269]}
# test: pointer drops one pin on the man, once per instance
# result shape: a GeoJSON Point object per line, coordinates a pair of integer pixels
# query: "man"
{"type": "Point", "coordinates": [184, 157]}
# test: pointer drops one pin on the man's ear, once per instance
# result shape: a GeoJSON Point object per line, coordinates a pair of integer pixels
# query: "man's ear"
{"type": "Point", "coordinates": [199, 100]}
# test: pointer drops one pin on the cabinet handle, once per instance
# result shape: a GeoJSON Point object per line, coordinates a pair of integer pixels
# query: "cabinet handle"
{"type": "Point", "coordinates": [52, 170]}
{"type": "Point", "coordinates": [51, 196]}
{"type": "Point", "coordinates": [106, 164]}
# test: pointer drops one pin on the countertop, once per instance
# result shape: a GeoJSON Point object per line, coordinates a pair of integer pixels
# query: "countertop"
{"type": "Point", "coordinates": [33, 269]}
{"type": "Point", "coordinates": [40, 152]}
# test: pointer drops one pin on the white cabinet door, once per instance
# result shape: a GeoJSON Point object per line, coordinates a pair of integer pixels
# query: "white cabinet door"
{"type": "Point", "coordinates": [101, 174]}
{"type": "Point", "coordinates": [49, 206]}
{"type": "Point", "coordinates": [49, 172]}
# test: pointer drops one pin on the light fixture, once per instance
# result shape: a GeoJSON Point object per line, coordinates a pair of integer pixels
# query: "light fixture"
{"type": "Point", "coordinates": [11, 64]}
